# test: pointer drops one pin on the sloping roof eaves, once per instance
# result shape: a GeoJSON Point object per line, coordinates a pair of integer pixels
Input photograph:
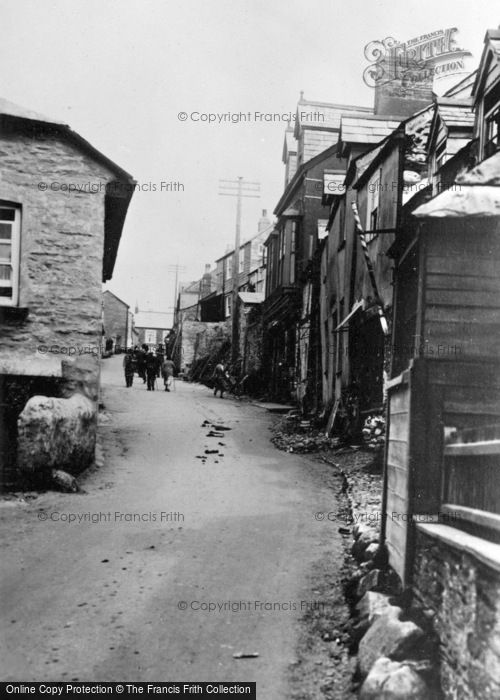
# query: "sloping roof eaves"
{"type": "Point", "coordinates": [9, 110]}
{"type": "Point", "coordinates": [299, 176]}
{"type": "Point", "coordinates": [476, 194]}
{"type": "Point", "coordinates": [491, 50]}
{"type": "Point", "coordinates": [331, 114]}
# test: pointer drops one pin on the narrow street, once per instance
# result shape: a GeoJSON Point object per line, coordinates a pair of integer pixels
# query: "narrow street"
{"type": "Point", "coordinates": [103, 600]}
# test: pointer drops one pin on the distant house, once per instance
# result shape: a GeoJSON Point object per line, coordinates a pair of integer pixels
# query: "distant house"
{"type": "Point", "coordinates": [115, 321]}
{"type": "Point", "coordinates": [152, 327]}
{"type": "Point", "coordinates": [62, 208]}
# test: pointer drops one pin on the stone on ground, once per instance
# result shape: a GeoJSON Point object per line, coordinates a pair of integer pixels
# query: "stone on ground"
{"type": "Point", "coordinates": [392, 680]}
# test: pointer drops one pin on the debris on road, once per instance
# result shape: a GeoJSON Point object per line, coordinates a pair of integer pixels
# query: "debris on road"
{"type": "Point", "coordinates": [245, 655]}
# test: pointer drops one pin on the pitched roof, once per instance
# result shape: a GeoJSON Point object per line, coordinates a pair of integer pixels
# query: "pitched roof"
{"type": "Point", "coordinates": [475, 194]}
{"type": "Point", "coordinates": [11, 109]}
{"type": "Point", "coordinates": [456, 113]}
{"type": "Point", "coordinates": [118, 203]}
{"type": "Point", "coordinates": [323, 115]}
{"type": "Point", "coordinates": [153, 319]}
{"type": "Point", "coordinates": [463, 88]}
{"type": "Point", "coordinates": [491, 52]}
{"type": "Point", "coordinates": [108, 291]}
{"type": "Point", "coordinates": [359, 128]}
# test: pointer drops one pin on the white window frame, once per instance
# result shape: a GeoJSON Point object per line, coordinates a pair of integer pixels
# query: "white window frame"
{"type": "Point", "coordinates": [229, 267]}
{"type": "Point", "coordinates": [13, 262]}
{"type": "Point", "coordinates": [228, 303]}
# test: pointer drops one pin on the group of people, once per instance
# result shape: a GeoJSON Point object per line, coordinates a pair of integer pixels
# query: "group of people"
{"type": "Point", "coordinates": [149, 366]}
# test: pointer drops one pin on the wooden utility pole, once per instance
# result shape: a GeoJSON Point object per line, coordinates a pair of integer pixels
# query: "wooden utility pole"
{"type": "Point", "coordinates": [238, 188]}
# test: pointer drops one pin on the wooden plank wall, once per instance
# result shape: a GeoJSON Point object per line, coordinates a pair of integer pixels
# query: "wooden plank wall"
{"type": "Point", "coordinates": [398, 477]}
{"type": "Point", "coordinates": [462, 297]}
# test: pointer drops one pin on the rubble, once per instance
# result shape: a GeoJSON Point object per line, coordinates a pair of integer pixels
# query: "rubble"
{"type": "Point", "coordinates": [389, 636]}
{"type": "Point", "coordinates": [374, 432]}
{"type": "Point", "coordinates": [392, 680]}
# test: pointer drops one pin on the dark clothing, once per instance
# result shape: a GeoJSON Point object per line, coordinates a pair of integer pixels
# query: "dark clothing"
{"type": "Point", "coordinates": [140, 360]}
{"type": "Point", "coordinates": [219, 379]}
{"type": "Point", "coordinates": [151, 370]}
{"type": "Point", "coordinates": [128, 366]}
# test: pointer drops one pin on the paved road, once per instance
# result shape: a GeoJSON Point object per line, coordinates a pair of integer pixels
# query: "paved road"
{"type": "Point", "coordinates": [102, 600]}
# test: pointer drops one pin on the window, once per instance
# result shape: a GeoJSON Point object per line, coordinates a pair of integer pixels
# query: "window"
{"type": "Point", "coordinates": [341, 218]}
{"type": "Point", "coordinates": [281, 255]}
{"type": "Point", "coordinates": [492, 133]}
{"type": "Point", "coordinates": [293, 246]}
{"type": "Point", "coordinates": [229, 267]}
{"type": "Point", "coordinates": [372, 210]}
{"type": "Point", "coordinates": [228, 305]}
{"type": "Point", "coordinates": [10, 218]}
{"type": "Point", "coordinates": [150, 336]}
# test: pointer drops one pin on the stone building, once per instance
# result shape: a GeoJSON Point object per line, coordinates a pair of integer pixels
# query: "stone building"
{"type": "Point", "coordinates": [115, 321]}
{"type": "Point", "coordinates": [152, 327]}
{"type": "Point", "coordinates": [62, 209]}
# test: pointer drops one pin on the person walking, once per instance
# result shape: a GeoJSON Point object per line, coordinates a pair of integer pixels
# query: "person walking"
{"type": "Point", "coordinates": [167, 372]}
{"type": "Point", "coordinates": [151, 370]}
{"type": "Point", "coordinates": [219, 378]}
{"type": "Point", "coordinates": [128, 367]}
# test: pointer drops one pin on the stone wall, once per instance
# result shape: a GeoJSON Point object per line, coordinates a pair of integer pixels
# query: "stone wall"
{"type": "Point", "coordinates": [62, 239]}
{"type": "Point", "coordinates": [251, 338]}
{"type": "Point", "coordinates": [464, 594]}
{"type": "Point", "coordinates": [200, 339]}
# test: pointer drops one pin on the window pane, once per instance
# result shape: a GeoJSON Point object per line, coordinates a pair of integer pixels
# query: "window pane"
{"type": "Point", "coordinates": [5, 272]}
{"type": "Point", "coordinates": [5, 291]}
{"type": "Point", "coordinates": [7, 214]}
{"type": "Point", "coordinates": [6, 231]}
{"type": "Point", "coordinates": [5, 251]}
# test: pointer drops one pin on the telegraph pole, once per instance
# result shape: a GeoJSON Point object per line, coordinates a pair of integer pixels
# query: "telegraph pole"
{"type": "Point", "coordinates": [238, 188]}
{"type": "Point", "coordinates": [176, 268]}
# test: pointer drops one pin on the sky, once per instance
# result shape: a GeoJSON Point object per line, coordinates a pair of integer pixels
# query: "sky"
{"type": "Point", "coordinates": [121, 72]}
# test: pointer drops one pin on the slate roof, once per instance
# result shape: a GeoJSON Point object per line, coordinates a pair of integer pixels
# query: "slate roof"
{"type": "Point", "coordinates": [11, 109]}
{"type": "Point", "coordinates": [305, 115]}
{"type": "Point", "coordinates": [153, 319]}
{"type": "Point", "coordinates": [477, 194]}
{"type": "Point", "coordinates": [456, 113]}
{"type": "Point", "coordinates": [491, 51]}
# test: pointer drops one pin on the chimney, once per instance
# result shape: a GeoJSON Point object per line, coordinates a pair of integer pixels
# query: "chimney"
{"type": "Point", "coordinates": [394, 93]}
{"type": "Point", "coordinates": [206, 283]}
{"type": "Point", "coordinates": [264, 222]}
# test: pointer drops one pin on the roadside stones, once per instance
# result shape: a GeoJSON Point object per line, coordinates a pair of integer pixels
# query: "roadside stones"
{"type": "Point", "coordinates": [388, 636]}
{"type": "Point", "coordinates": [364, 539]}
{"type": "Point", "coordinates": [64, 481]}
{"type": "Point", "coordinates": [373, 605]}
{"type": "Point", "coordinates": [56, 433]}
{"type": "Point", "coordinates": [393, 680]}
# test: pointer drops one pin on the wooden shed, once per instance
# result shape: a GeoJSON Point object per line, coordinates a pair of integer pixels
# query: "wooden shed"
{"type": "Point", "coordinates": [446, 365]}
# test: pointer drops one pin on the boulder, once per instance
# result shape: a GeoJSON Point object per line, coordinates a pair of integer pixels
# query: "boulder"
{"type": "Point", "coordinates": [373, 605]}
{"type": "Point", "coordinates": [56, 434]}
{"type": "Point", "coordinates": [370, 581]}
{"type": "Point", "coordinates": [64, 481]}
{"type": "Point", "coordinates": [392, 680]}
{"type": "Point", "coordinates": [370, 552]}
{"type": "Point", "coordinates": [364, 539]}
{"type": "Point", "coordinates": [388, 636]}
